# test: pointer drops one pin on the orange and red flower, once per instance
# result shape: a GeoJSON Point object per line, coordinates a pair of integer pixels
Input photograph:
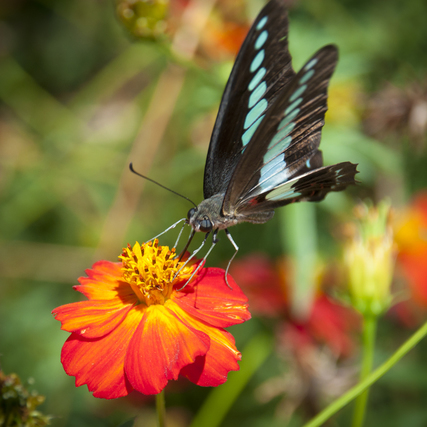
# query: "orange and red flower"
{"type": "Point", "coordinates": [138, 329]}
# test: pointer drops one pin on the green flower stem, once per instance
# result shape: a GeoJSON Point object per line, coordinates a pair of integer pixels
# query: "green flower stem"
{"type": "Point", "coordinates": [299, 237]}
{"type": "Point", "coordinates": [369, 331]}
{"type": "Point", "coordinates": [338, 404]}
{"type": "Point", "coordinates": [221, 398]}
{"type": "Point", "coordinates": [160, 407]}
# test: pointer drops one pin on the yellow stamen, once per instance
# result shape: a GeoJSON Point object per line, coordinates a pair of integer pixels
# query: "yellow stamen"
{"type": "Point", "coordinates": [150, 269]}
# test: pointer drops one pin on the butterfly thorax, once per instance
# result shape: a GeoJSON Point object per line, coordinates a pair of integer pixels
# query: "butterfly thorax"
{"type": "Point", "coordinates": [209, 215]}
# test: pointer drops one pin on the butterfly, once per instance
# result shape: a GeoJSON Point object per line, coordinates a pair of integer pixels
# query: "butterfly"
{"type": "Point", "coordinates": [264, 150]}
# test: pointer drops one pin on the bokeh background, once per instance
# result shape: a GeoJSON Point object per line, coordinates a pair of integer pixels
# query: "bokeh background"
{"type": "Point", "coordinates": [86, 86]}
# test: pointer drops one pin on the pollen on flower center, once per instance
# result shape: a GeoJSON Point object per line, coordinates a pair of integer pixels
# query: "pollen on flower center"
{"type": "Point", "coordinates": [150, 270]}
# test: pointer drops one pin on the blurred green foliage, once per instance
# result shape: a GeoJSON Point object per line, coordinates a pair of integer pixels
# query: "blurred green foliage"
{"type": "Point", "coordinates": [18, 406]}
{"type": "Point", "coordinates": [76, 93]}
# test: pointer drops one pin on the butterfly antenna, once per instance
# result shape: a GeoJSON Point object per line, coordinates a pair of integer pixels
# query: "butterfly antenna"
{"type": "Point", "coordinates": [160, 185]}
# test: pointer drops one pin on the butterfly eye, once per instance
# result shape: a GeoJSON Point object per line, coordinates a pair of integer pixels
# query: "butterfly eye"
{"type": "Point", "coordinates": [191, 212]}
{"type": "Point", "coordinates": [205, 224]}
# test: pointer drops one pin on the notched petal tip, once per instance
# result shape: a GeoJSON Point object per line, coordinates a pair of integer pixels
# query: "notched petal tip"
{"type": "Point", "coordinates": [210, 299]}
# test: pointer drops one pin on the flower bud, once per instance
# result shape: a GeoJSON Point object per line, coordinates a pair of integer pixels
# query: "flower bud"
{"type": "Point", "coordinates": [144, 18]}
{"type": "Point", "coordinates": [369, 258]}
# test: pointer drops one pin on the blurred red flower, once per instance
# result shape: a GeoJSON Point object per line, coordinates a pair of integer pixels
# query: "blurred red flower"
{"type": "Point", "coordinates": [267, 287]}
{"type": "Point", "coordinates": [138, 329]}
{"type": "Point", "coordinates": [410, 228]}
{"type": "Point", "coordinates": [411, 239]}
{"type": "Point", "coordinates": [222, 39]}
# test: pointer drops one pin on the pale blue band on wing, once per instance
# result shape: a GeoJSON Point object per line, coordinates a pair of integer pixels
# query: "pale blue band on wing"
{"type": "Point", "coordinates": [257, 86]}
{"type": "Point", "coordinates": [311, 64]}
{"type": "Point", "coordinates": [283, 192]}
{"type": "Point", "coordinates": [262, 38]}
{"type": "Point", "coordinates": [257, 94]}
{"type": "Point", "coordinates": [257, 78]}
{"type": "Point", "coordinates": [261, 23]}
{"type": "Point", "coordinates": [257, 61]}
{"type": "Point", "coordinates": [246, 137]}
{"type": "Point", "coordinates": [255, 112]}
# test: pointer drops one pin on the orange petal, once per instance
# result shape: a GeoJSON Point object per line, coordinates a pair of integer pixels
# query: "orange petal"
{"type": "Point", "coordinates": [91, 319]}
{"type": "Point", "coordinates": [222, 357]}
{"type": "Point", "coordinates": [104, 282]}
{"type": "Point", "coordinates": [210, 299]}
{"type": "Point", "coordinates": [159, 349]}
{"type": "Point", "coordinates": [99, 363]}
{"type": "Point", "coordinates": [414, 268]}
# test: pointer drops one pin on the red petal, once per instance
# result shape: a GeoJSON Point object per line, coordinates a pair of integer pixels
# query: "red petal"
{"type": "Point", "coordinates": [210, 299]}
{"type": "Point", "coordinates": [333, 324]}
{"type": "Point", "coordinates": [222, 357]}
{"type": "Point", "coordinates": [420, 204]}
{"type": "Point", "coordinates": [414, 268]}
{"type": "Point", "coordinates": [159, 349]}
{"type": "Point", "coordinates": [409, 313]}
{"type": "Point", "coordinates": [99, 363]}
{"type": "Point", "coordinates": [104, 282]}
{"type": "Point", "coordinates": [264, 283]}
{"type": "Point", "coordinates": [92, 319]}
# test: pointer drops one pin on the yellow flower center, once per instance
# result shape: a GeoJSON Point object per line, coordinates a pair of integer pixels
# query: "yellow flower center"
{"type": "Point", "coordinates": [150, 270]}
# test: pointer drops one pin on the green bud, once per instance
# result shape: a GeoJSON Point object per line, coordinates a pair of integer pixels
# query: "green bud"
{"type": "Point", "coordinates": [369, 259]}
{"type": "Point", "coordinates": [144, 18]}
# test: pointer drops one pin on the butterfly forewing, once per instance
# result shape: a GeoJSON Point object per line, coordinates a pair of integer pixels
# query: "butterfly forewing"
{"type": "Point", "coordinates": [285, 146]}
{"type": "Point", "coordinates": [262, 69]}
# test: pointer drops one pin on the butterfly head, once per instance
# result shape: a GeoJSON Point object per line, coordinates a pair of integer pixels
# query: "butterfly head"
{"type": "Point", "coordinates": [199, 220]}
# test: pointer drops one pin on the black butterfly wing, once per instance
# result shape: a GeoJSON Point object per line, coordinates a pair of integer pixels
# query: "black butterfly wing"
{"type": "Point", "coordinates": [262, 68]}
{"type": "Point", "coordinates": [282, 163]}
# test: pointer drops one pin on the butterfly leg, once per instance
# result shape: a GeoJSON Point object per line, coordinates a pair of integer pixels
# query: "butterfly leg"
{"type": "Point", "coordinates": [192, 255]}
{"type": "Point", "coordinates": [231, 260]}
{"type": "Point", "coordinates": [179, 235]}
{"type": "Point", "coordinates": [190, 238]}
{"type": "Point", "coordinates": [169, 228]}
{"type": "Point", "coordinates": [214, 242]}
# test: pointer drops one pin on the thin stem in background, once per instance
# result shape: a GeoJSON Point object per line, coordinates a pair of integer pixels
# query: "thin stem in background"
{"type": "Point", "coordinates": [160, 408]}
{"type": "Point", "coordinates": [338, 404]}
{"type": "Point", "coordinates": [369, 332]}
{"type": "Point", "coordinates": [221, 398]}
{"type": "Point", "coordinates": [299, 239]}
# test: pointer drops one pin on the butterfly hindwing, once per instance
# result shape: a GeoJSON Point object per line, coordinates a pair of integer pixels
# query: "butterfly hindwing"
{"type": "Point", "coordinates": [262, 68]}
{"type": "Point", "coordinates": [284, 148]}
{"type": "Point", "coordinates": [311, 186]}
